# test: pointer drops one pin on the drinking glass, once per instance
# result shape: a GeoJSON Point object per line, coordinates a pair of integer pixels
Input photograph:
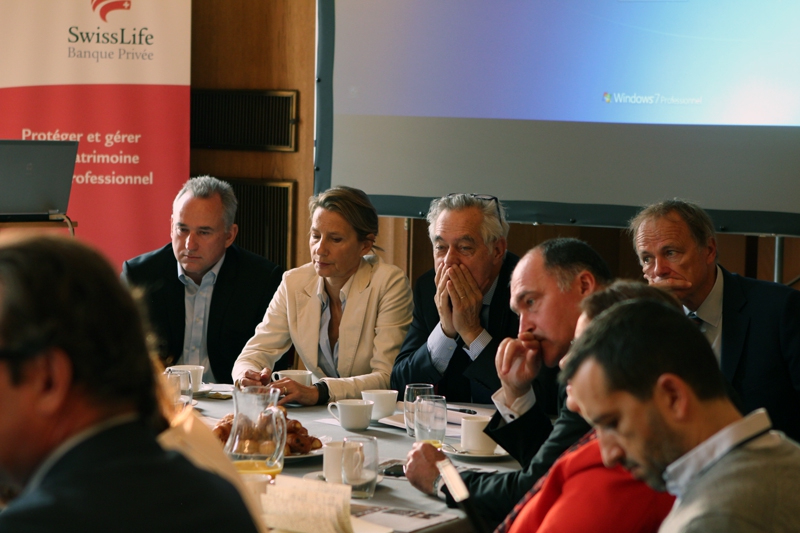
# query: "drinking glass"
{"type": "Point", "coordinates": [360, 465]}
{"type": "Point", "coordinates": [179, 383]}
{"type": "Point", "coordinates": [412, 391]}
{"type": "Point", "coordinates": [430, 419]}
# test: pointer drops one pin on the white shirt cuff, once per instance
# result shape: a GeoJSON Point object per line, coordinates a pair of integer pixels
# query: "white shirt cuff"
{"type": "Point", "coordinates": [441, 347]}
{"type": "Point", "coordinates": [521, 405]}
{"type": "Point", "coordinates": [478, 345]}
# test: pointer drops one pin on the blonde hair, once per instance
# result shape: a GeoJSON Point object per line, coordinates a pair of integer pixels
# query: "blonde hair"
{"type": "Point", "coordinates": [354, 206]}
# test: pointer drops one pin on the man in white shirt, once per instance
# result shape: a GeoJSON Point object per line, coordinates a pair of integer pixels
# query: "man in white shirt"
{"type": "Point", "coordinates": [646, 378]}
{"type": "Point", "coordinates": [205, 295]}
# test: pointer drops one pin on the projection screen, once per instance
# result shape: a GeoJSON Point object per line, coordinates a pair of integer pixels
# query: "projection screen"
{"type": "Point", "coordinates": [569, 111]}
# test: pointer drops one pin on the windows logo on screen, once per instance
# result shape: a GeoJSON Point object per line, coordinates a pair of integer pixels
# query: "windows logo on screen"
{"type": "Point", "coordinates": [607, 98]}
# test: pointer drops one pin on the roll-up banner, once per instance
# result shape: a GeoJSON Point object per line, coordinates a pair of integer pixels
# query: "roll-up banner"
{"type": "Point", "coordinates": [113, 75]}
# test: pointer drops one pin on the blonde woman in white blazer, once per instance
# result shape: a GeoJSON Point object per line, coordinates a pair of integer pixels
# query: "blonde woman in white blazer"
{"type": "Point", "coordinates": [347, 312]}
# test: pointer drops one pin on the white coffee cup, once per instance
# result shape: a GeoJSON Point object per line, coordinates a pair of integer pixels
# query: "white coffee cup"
{"type": "Point", "coordinates": [385, 402]}
{"type": "Point", "coordinates": [352, 414]}
{"type": "Point", "coordinates": [303, 377]}
{"type": "Point", "coordinates": [332, 461]}
{"type": "Point", "coordinates": [197, 374]}
{"type": "Point", "coordinates": [473, 439]}
{"type": "Point", "coordinates": [256, 483]}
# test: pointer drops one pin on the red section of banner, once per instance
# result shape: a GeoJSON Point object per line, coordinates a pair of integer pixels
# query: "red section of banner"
{"type": "Point", "coordinates": [131, 161]}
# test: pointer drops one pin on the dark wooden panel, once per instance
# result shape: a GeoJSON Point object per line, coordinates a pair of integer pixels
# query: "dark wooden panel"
{"type": "Point", "coordinates": [258, 44]}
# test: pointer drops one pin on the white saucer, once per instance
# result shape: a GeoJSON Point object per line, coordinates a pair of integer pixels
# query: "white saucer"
{"type": "Point", "coordinates": [319, 476]}
{"type": "Point", "coordinates": [204, 389]}
{"type": "Point", "coordinates": [455, 451]}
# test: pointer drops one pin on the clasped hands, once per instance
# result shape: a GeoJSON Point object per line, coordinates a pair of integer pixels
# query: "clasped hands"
{"type": "Point", "coordinates": [291, 391]}
{"type": "Point", "coordinates": [459, 301]}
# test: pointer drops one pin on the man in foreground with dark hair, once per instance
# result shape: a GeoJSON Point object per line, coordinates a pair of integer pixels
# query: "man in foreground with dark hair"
{"type": "Point", "coordinates": [547, 287]}
{"type": "Point", "coordinates": [78, 393]}
{"type": "Point", "coordinates": [646, 378]}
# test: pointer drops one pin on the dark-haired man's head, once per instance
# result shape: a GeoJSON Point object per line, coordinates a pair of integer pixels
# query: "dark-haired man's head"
{"type": "Point", "coordinates": [72, 348]}
{"type": "Point", "coordinates": [642, 374]}
{"type": "Point", "coordinates": [619, 291]}
{"type": "Point", "coordinates": [547, 287]}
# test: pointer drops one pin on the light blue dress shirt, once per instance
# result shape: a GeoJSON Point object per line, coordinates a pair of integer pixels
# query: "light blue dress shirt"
{"type": "Point", "coordinates": [328, 356]}
{"type": "Point", "coordinates": [197, 303]}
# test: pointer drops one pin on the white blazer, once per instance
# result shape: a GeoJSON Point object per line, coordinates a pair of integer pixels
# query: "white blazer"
{"type": "Point", "coordinates": [374, 324]}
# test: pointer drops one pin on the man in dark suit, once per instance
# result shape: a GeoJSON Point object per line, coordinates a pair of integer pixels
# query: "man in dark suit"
{"type": "Point", "coordinates": [547, 287]}
{"type": "Point", "coordinates": [753, 326]}
{"type": "Point", "coordinates": [78, 391]}
{"type": "Point", "coordinates": [205, 295]}
{"type": "Point", "coordinates": [461, 306]}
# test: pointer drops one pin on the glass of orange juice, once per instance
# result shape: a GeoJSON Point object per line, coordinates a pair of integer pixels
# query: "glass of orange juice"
{"type": "Point", "coordinates": [430, 419]}
{"type": "Point", "coordinates": [257, 467]}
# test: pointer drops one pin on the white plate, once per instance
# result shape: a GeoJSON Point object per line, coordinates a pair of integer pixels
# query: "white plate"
{"type": "Point", "coordinates": [204, 389]}
{"type": "Point", "coordinates": [319, 476]}
{"type": "Point", "coordinates": [314, 453]}
{"type": "Point", "coordinates": [455, 451]}
{"type": "Point", "coordinates": [324, 439]}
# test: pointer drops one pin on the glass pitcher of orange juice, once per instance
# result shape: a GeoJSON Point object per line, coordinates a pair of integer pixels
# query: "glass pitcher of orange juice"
{"type": "Point", "coordinates": [258, 435]}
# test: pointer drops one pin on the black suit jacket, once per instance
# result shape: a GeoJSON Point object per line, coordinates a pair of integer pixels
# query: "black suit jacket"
{"type": "Point", "coordinates": [533, 441]}
{"type": "Point", "coordinates": [464, 380]}
{"type": "Point", "coordinates": [121, 480]}
{"type": "Point", "coordinates": [761, 348]}
{"type": "Point", "coordinates": [242, 293]}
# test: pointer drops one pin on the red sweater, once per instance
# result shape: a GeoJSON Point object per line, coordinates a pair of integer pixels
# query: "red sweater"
{"type": "Point", "coordinates": [580, 494]}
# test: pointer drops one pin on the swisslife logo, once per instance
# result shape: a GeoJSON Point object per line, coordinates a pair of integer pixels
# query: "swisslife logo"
{"type": "Point", "coordinates": [104, 7]}
{"type": "Point", "coordinates": [130, 43]}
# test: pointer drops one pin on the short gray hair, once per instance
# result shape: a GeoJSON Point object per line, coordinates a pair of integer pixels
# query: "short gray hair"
{"type": "Point", "coordinates": [494, 225]}
{"type": "Point", "coordinates": [700, 225]}
{"type": "Point", "coordinates": [206, 187]}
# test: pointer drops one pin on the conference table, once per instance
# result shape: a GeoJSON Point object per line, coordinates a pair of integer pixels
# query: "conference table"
{"type": "Point", "coordinates": [393, 443]}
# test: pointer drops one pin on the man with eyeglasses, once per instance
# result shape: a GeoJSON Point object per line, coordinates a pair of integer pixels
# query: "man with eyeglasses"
{"type": "Point", "coordinates": [461, 306]}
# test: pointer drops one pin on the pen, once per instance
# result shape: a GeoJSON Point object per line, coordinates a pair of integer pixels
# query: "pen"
{"type": "Point", "coordinates": [465, 411]}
